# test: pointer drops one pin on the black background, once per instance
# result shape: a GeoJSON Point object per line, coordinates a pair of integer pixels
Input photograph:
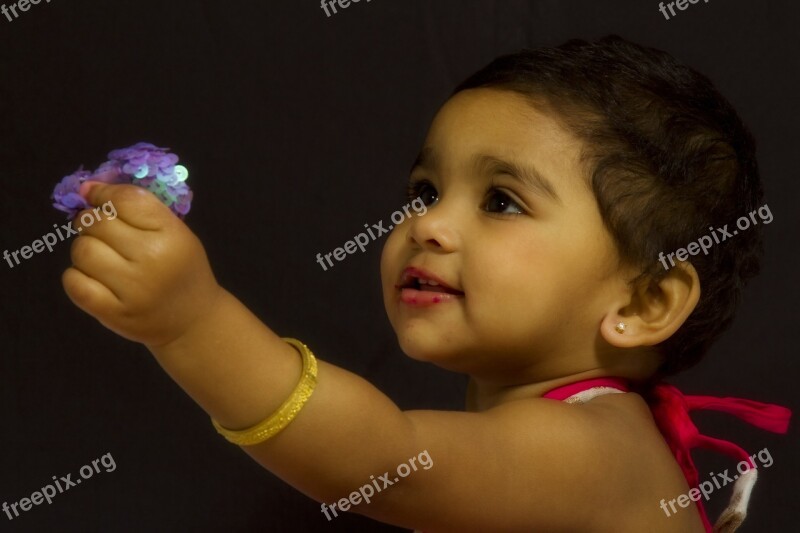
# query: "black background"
{"type": "Point", "coordinates": [298, 129]}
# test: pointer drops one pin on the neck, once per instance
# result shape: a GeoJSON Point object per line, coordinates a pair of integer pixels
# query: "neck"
{"type": "Point", "coordinates": [483, 395]}
{"type": "Point", "coordinates": [488, 391]}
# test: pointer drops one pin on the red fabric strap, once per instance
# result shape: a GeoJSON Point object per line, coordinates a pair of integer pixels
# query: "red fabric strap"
{"type": "Point", "coordinates": [671, 408]}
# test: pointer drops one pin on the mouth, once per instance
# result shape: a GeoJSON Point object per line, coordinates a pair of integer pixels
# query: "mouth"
{"type": "Point", "coordinates": [421, 288]}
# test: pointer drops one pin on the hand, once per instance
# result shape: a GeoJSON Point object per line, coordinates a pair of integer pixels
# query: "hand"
{"type": "Point", "coordinates": [143, 274]}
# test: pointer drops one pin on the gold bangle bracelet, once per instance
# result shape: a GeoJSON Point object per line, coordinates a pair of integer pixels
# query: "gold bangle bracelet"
{"type": "Point", "coordinates": [281, 418]}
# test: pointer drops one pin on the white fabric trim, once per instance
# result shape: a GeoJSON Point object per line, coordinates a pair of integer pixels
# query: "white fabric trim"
{"type": "Point", "coordinates": [590, 394]}
{"type": "Point", "coordinates": [736, 511]}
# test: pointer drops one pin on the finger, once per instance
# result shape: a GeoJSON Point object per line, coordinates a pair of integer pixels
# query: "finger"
{"type": "Point", "coordinates": [137, 206]}
{"type": "Point", "coordinates": [88, 294]}
{"type": "Point", "coordinates": [115, 232]}
{"type": "Point", "coordinates": [99, 261]}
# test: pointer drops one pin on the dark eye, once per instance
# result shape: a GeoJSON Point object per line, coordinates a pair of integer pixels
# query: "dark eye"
{"type": "Point", "coordinates": [500, 202]}
{"type": "Point", "coordinates": [423, 190]}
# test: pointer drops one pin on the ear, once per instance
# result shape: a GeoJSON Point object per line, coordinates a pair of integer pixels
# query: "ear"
{"type": "Point", "coordinates": [653, 312]}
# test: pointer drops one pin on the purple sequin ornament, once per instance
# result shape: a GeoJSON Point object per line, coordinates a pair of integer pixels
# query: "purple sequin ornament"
{"type": "Point", "coordinates": [142, 164]}
{"type": "Point", "coordinates": [65, 195]}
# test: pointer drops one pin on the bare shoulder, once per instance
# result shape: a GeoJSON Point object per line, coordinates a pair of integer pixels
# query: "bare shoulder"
{"type": "Point", "coordinates": [544, 465]}
{"type": "Point", "coordinates": [634, 469]}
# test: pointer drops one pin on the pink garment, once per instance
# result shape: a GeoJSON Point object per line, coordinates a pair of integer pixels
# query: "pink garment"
{"type": "Point", "coordinates": [670, 409]}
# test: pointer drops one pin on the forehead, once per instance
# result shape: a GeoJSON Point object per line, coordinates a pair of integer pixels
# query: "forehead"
{"type": "Point", "coordinates": [502, 124]}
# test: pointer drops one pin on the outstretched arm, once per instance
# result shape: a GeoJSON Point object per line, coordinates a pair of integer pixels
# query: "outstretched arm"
{"type": "Point", "coordinates": [145, 276]}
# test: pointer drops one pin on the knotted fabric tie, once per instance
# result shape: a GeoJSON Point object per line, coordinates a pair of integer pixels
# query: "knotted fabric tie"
{"type": "Point", "coordinates": [671, 408]}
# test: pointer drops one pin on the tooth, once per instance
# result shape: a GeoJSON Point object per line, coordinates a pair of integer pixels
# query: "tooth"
{"type": "Point", "coordinates": [432, 283]}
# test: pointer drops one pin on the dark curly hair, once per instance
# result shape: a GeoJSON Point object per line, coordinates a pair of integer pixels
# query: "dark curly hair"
{"type": "Point", "coordinates": [667, 157]}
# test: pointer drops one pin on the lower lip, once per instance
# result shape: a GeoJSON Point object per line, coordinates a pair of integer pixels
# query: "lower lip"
{"type": "Point", "coordinates": [416, 298]}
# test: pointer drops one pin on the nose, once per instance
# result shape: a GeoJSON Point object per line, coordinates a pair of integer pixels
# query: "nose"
{"type": "Point", "coordinates": [436, 230]}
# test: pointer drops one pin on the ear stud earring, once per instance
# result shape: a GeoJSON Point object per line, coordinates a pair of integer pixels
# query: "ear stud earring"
{"type": "Point", "coordinates": [620, 328]}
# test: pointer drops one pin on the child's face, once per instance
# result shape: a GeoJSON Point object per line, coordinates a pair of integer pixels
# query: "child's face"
{"type": "Point", "coordinates": [531, 265]}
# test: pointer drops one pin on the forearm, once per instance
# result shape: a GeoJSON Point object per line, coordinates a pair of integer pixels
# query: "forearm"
{"type": "Point", "coordinates": [147, 278]}
{"type": "Point", "coordinates": [231, 364]}
{"type": "Point", "coordinates": [239, 372]}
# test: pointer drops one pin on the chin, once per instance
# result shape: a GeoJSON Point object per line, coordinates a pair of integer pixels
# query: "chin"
{"type": "Point", "coordinates": [435, 351]}
{"type": "Point", "coordinates": [413, 348]}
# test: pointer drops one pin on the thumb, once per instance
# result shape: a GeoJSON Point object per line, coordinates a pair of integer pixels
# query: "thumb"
{"type": "Point", "coordinates": [90, 190]}
{"type": "Point", "coordinates": [109, 176]}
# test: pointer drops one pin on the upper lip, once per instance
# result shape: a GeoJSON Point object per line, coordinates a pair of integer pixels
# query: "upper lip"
{"type": "Point", "coordinates": [411, 274]}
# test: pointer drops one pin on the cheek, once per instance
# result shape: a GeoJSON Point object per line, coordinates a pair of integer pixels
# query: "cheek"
{"type": "Point", "coordinates": [523, 261]}
{"type": "Point", "coordinates": [527, 274]}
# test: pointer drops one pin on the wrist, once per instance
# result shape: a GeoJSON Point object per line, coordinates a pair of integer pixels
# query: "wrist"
{"type": "Point", "coordinates": [217, 303]}
{"type": "Point", "coordinates": [230, 363]}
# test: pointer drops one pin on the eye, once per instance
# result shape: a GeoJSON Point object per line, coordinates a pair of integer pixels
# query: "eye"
{"type": "Point", "coordinates": [424, 190]}
{"type": "Point", "coordinates": [499, 202]}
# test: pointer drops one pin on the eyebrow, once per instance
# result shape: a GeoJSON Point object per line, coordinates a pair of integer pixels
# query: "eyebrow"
{"type": "Point", "coordinates": [426, 159]}
{"type": "Point", "coordinates": [528, 175]}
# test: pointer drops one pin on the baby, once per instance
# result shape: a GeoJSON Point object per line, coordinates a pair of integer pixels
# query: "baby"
{"type": "Point", "coordinates": [553, 179]}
